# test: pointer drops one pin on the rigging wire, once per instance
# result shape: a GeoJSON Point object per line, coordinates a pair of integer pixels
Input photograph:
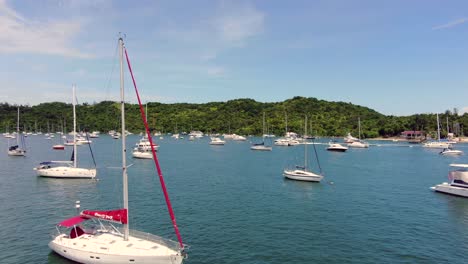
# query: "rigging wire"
{"type": "Point", "coordinates": [316, 156]}
{"type": "Point", "coordinates": [155, 158]}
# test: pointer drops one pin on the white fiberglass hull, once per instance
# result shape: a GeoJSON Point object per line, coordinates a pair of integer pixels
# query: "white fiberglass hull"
{"type": "Point", "coordinates": [217, 143]}
{"type": "Point", "coordinates": [66, 172]}
{"type": "Point", "coordinates": [337, 147]}
{"type": "Point", "coordinates": [261, 148]}
{"type": "Point", "coordinates": [17, 152]}
{"type": "Point", "coordinates": [142, 155]}
{"type": "Point", "coordinates": [439, 145]}
{"type": "Point", "coordinates": [450, 189]}
{"type": "Point", "coordinates": [453, 152]}
{"type": "Point", "coordinates": [357, 144]}
{"type": "Point", "coordinates": [110, 248]}
{"type": "Point", "coordinates": [301, 175]}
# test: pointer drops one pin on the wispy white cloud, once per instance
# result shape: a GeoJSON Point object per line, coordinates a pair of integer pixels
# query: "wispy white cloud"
{"type": "Point", "coordinates": [230, 26]}
{"type": "Point", "coordinates": [236, 24]}
{"type": "Point", "coordinates": [451, 24]}
{"type": "Point", "coordinates": [21, 35]}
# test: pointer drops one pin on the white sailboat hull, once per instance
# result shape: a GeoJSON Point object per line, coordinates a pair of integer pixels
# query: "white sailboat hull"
{"type": "Point", "coordinates": [436, 144]}
{"type": "Point", "coordinates": [66, 172]}
{"type": "Point", "coordinates": [358, 144]}
{"type": "Point", "coordinates": [17, 152]}
{"type": "Point", "coordinates": [261, 148]}
{"type": "Point", "coordinates": [450, 189]}
{"type": "Point", "coordinates": [110, 248]}
{"type": "Point", "coordinates": [301, 175]}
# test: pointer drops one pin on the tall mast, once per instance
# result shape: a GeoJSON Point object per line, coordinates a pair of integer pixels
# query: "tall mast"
{"type": "Point", "coordinates": [305, 144]}
{"type": "Point", "coordinates": [75, 157]}
{"type": "Point", "coordinates": [438, 128]}
{"type": "Point", "coordinates": [359, 127]}
{"type": "Point", "coordinates": [17, 129]}
{"type": "Point", "coordinates": [286, 121]}
{"type": "Point", "coordinates": [124, 150]}
{"type": "Point", "coordinates": [447, 127]}
{"type": "Point", "coordinates": [263, 128]}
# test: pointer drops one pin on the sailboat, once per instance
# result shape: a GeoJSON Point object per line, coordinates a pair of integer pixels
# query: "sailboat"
{"type": "Point", "coordinates": [358, 143]}
{"type": "Point", "coordinates": [111, 244]}
{"type": "Point", "coordinates": [302, 173]}
{"type": "Point", "coordinates": [438, 143]}
{"type": "Point", "coordinates": [262, 146]}
{"type": "Point", "coordinates": [142, 149]}
{"type": "Point", "coordinates": [66, 169]}
{"type": "Point", "coordinates": [17, 150]}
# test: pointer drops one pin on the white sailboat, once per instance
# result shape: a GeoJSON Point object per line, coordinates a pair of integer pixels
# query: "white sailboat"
{"type": "Point", "coordinates": [302, 173]}
{"type": "Point", "coordinates": [262, 146]}
{"type": "Point", "coordinates": [358, 143]}
{"type": "Point", "coordinates": [108, 243]}
{"type": "Point", "coordinates": [66, 169]}
{"type": "Point", "coordinates": [19, 149]}
{"type": "Point", "coordinates": [438, 143]}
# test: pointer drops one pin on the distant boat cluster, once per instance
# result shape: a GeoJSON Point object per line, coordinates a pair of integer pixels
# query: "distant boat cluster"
{"type": "Point", "coordinates": [107, 243]}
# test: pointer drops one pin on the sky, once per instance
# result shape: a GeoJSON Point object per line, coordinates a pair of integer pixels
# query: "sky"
{"type": "Point", "coordinates": [397, 57]}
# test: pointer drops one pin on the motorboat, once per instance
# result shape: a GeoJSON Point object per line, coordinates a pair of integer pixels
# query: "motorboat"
{"type": "Point", "coordinates": [261, 147]}
{"type": "Point", "coordinates": [458, 181]}
{"type": "Point", "coordinates": [450, 151]}
{"type": "Point", "coordinates": [217, 141]}
{"type": "Point", "coordinates": [143, 149]}
{"type": "Point", "coordinates": [333, 146]}
{"type": "Point", "coordinates": [58, 147]}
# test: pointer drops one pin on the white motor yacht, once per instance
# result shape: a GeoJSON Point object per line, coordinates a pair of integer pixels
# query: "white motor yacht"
{"type": "Point", "coordinates": [451, 152]}
{"type": "Point", "coordinates": [333, 146]}
{"type": "Point", "coordinates": [458, 181]}
{"type": "Point", "coordinates": [217, 141]}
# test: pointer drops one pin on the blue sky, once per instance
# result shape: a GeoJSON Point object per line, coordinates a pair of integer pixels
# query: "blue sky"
{"type": "Point", "coordinates": [398, 57]}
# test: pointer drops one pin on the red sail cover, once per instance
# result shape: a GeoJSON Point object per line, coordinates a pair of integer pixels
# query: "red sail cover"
{"type": "Point", "coordinates": [119, 215]}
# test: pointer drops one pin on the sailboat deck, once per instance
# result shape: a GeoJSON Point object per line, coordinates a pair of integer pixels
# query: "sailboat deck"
{"type": "Point", "coordinates": [114, 244]}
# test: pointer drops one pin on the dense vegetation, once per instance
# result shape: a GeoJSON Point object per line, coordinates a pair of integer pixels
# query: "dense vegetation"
{"type": "Point", "coordinates": [241, 116]}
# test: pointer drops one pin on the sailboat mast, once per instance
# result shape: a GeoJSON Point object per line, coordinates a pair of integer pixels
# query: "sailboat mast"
{"type": "Point", "coordinates": [17, 129]}
{"type": "Point", "coordinates": [75, 154]}
{"type": "Point", "coordinates": [305, 144]}
{"type": "Point", "coordinates": [124, 160]}
{"type": "Point", "coordinates": [359, 127]}
{"type": "Point", "coordinates": [263, 128]}
{"type": "Point", "coordinates": [447, 126]}
{"type": "Point", "coordinates": [438, 128]}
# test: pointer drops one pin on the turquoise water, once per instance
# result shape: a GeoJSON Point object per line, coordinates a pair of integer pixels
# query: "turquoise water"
{"type": "Point", "coordinates": [234, 206]}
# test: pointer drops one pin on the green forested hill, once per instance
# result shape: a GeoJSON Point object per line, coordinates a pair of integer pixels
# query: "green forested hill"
{"type": "Point", "coordinates": [241, 116]}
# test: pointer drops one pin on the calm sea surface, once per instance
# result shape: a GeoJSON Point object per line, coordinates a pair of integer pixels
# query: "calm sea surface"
{"type": "Point", "coordinates": [234, 206]}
